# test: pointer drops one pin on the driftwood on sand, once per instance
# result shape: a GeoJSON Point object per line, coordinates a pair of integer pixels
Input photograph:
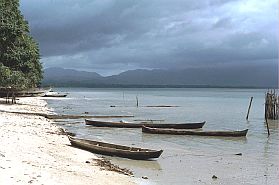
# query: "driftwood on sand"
{"type": "Point", "coordinates": [25, 113]}
{"type": "Point", "coordinates": [107, 165]}
{"type": "Point", "coordinates": [162, 106]}
{"type": "Point", "coordinates": [85, 116]}
{"type": "Point", "coordinates": [67, 116]}
{"type": "Point", "coordinates": [62, 131]}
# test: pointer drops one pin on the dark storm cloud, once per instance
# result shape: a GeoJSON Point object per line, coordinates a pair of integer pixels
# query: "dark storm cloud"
{"type": "Point", "coordinates": [110, 36]}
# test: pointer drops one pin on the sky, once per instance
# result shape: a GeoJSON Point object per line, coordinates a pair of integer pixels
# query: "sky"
{"type": "Point", "coordinates": [112, 36]}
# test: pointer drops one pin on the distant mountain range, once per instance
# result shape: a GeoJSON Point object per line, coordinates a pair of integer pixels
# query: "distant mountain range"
{"type": "Point", "coordinates": [197, 77]}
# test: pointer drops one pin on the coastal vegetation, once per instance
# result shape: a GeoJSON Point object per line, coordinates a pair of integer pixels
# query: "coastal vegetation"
{"type": "Point", "coordinates": [20, 66]}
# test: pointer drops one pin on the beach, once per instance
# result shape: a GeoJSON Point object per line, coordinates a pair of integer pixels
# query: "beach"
{"type": "Point", "coordinates": [32, 151]}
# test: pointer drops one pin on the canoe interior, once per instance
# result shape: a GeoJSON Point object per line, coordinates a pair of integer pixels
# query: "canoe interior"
{"type": "Point", "coordinates": [115, 150]}
{"type": "Point", "coordinates": [192, 132]}
{"type": "Point", "coordinates": [57, 95]}
{"type": "Point", "coordinates": [139, 125]}
{"type": "Point", "coordinates": [177, 126]}
{"type": "Point", "coordinates": [112, 124]}
{"type": "Point", "coordinates": [108, 145]}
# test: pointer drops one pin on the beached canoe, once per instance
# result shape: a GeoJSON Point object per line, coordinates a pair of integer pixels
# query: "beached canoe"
{"type": "Point", "coordinates": [192, 132]}
{"type": "Point", "coordinates": [55, 95]}
{"type": "Point", "coordinates": [33, 92]}
{"type": "Point", "coordinates": [115, 150]}
{"type": "Point", "coordinates": [139, 125]}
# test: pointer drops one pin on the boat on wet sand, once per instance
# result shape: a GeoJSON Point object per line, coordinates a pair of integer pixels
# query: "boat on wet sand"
{"type": "Point", "coordinates": [55, 95]}
{"type": "Point", "coordinates": [115, 150]}
{"type": "Point", "coordinates": [33, 92]}
{"type": "Point", "coordinates": [241, 133]}
{"type": "Point", "coordinates": [139, 125]}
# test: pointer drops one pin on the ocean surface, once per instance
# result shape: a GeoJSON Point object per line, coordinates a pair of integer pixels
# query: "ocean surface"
{"type": "Point", "coordinates": [186, 159]}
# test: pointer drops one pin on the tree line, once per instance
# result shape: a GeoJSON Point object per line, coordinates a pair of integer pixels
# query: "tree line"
{"type": "Point", "coordinates": [20, 66]}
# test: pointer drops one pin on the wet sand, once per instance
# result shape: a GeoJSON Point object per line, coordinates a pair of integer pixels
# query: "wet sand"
{"type": "Point", "coordinates": [32, 152]}
{"type": "Point", "coordinates": [198, 166]}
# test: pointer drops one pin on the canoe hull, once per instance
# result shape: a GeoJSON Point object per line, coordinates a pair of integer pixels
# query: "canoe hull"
{"type": "Point", "coordinates": [35, 92]}
{"type": "Point", "coordinates": [115, 150]}
{"type": "Point", "coordinates": [112, 124]}
{"type": "Point", "coordinates": [139, 125]}
{"type": "Point", "coordinates": [55, 95]}
{"type": "Point", "coordinates": [149, 130]}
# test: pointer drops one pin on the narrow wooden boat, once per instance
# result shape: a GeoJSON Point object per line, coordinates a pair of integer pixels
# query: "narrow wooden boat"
{"type": "Point", "coordinates": [55, 95]}
{"type": "Point", "coordinates": [115, 150]}
{"type": "Point", "coordinates": [139, 125]}
{"type": "Point", "coordinates": [33, 92]}
{"type": "Point", "coordinates": [192, 132]}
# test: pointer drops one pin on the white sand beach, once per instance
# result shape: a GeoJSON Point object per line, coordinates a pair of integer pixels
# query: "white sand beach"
{"type": "Point", "coordinates": [32, 152]}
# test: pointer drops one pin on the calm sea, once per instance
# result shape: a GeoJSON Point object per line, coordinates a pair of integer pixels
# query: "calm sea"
{"type": "Point", "coordinates": [186, 159]}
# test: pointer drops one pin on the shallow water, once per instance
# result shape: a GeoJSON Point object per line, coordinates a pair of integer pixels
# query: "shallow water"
{"type": "Point", "coordinates": [186, 159]}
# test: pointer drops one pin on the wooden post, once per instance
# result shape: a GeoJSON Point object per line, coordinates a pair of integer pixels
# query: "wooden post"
{"type": "Point", "coordinates": [249, 108]}
{"type": "Point", "coordinates": [14, 98]}
{"type": "Point", "coordinates": [272, 104]}
{"type": "Point", "coordinates": [265, 116]}
{"type": "Point", "coordinates": [123, 96]}
{"type": "Point", "coordinates": [137, 101]}
{"type": "Point", "coordinates": [268, 133]}
{"type": "Point", "coordinates": [8, 100]}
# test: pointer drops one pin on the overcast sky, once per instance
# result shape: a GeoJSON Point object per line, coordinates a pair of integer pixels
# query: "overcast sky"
{"type": "Point", "coordinates": [111, 36]}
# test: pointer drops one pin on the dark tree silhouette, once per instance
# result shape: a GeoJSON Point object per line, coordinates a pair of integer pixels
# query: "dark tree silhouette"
{"type": "Point", "coordinates": [20, 66]}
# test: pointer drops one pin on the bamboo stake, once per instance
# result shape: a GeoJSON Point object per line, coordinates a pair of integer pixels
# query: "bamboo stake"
{"type": "Point", "coordinates": [268, 133]}
{"type": "Point", "coordinates": [249, 108]}
{"type": "Point", "coordinates": [272, 104]}
{"type": "Point", "coordinates": [265, 116]}
{"type": "Point", "coordinates": [123, 96]}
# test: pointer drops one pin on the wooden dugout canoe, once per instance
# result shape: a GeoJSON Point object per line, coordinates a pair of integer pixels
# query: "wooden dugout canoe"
{"type": "Point", "coordinates": [55, 95]}
{"type": "Point", "coordinates": [139, 125]}
{"type": "Point", "coordinates": [149, 130]}
{"type": "Point", "coordinates": [115, 150]}
{"type": "Point", "coordinates": [33, 92]}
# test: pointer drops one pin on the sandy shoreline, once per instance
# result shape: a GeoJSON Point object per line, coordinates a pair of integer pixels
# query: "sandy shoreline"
{"type": "Point", "coordinates": [32, 153]}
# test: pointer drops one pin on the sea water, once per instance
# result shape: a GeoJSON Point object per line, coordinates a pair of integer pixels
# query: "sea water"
{"type": "Point", "coordinates": [186, 159]}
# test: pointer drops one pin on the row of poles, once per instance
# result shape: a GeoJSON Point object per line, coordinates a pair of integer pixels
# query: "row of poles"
{"type": "Point", "coordinates": [271, 107]}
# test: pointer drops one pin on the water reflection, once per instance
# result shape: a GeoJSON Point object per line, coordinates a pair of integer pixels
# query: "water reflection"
{"type": "Point", "coordinates": [142, 165]}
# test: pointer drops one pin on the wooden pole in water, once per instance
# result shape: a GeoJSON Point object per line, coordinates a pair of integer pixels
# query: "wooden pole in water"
{"type": "Point", "coordinates": [137, 101]}
{"type": "Point", "coordinates": [265, 116]}
{"type": "Point", "coordinates": [123, 96]}
{"type": "Point", "coordinates": [268, 133]}
{"type": "Point", "coordinates": [249, 108]}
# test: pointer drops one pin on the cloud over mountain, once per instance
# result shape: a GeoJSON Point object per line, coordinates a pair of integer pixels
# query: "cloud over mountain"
{"type": "Point", "coordinates": [109, 36]}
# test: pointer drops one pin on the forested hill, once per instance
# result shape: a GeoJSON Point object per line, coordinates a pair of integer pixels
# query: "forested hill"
{"type": "Point", "coordinates": [202, 77]}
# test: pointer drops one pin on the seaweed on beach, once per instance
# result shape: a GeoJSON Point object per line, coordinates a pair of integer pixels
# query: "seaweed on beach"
{"type": "Point", "coordinates": [105, 164]}
{"type": "Point", "coordinates": [62, 131]}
